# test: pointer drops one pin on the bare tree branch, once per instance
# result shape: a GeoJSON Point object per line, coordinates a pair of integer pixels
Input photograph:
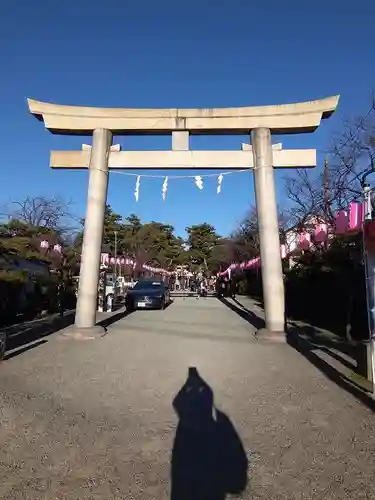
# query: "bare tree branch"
{"type": "Point", "coordinates": [320, 196]}
{"type": "Point", "coordinates": [245, 240]}
{"type": "Point", "coordinates": [48, 213]}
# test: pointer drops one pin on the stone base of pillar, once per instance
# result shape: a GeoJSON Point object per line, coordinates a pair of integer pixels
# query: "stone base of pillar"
{"type": "Point", "coordinates": [265, 335]}
{"type": "Point", "coordinates": [93, 333]}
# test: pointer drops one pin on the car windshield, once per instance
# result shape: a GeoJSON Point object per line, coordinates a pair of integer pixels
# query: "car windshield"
{"type": "Point", "coordinates": [141, 285]}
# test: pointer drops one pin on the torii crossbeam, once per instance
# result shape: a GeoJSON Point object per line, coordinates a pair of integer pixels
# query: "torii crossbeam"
{"type": "Point", "coordinates": [260, 122]}
{"type": "Point", "coordinates": [231, 160]}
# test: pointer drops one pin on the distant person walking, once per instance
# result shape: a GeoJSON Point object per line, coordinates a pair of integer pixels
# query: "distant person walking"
{"type": "Point", "coordinates": [203, 288]}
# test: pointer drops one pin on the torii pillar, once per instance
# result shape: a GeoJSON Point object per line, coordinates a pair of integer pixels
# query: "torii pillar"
{"type": "Point", "coordinates": [269, 238]}
{"type": "Point", "coordinates": [261, 122]}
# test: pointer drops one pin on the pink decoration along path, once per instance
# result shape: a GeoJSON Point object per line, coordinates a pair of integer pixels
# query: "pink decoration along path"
{"type": "Point", "coordinates": [347, 221]}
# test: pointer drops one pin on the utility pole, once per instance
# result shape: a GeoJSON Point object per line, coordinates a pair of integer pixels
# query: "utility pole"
{"type": "Point", "coordinates": [369, 262]}
{"type": "Point", "coordinates": [115, 269]}
{"type": "Point", "coordinates": [326, 196]}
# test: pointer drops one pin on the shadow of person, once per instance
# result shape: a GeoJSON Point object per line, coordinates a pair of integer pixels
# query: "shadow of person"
{"type": "Point", "coordinates": [208, 458]}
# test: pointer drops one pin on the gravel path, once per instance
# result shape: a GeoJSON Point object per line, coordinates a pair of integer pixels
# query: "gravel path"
{"type": "Point", "coordinates": [95, 419]}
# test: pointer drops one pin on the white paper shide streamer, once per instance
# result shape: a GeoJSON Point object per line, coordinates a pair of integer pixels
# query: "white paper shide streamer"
{"type": "Point", "coordinates": [164, 188]}
{"type": "Point", "coordinates": [198, 181]}
{"type": "Point", "coordinates": [219, 183]}
{"type": "Point", "coordinates": [137, 185]}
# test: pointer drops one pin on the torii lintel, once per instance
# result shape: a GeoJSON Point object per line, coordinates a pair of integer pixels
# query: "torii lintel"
{"type": "Point", "coordinates": [280, 119]}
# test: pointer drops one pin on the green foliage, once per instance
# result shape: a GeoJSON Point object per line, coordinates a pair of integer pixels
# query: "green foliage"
{"type": "Point", "coordinates": [201, 241]}
{"type": "Point", "coordinates": [152, 242]}
{"type": "Point", "coordinates": [343, 257]}
{"type": "Point", "coordinates": [112, 223]}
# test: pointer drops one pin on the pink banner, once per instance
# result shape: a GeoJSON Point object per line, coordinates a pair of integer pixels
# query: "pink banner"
{"type": "Point", "coordinates": [304, 241]}
{"type": "Point", "coordinates": [356, 214]}
{"type": "Point", "coordinates": [321, 233]}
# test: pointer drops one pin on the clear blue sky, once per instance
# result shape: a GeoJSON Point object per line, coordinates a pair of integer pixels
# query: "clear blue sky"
{"type": "Point", "coordinates": [173, 54]}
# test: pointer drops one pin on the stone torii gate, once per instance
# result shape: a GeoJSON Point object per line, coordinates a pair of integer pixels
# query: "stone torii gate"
{"type": "Point", "coordinates": [260, 122]}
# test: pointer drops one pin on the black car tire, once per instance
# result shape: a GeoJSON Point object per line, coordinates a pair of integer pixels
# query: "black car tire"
{"type": "Point", "coordinates": [130, 308]}
{"type": "Point", "coordinates": [162, 306]}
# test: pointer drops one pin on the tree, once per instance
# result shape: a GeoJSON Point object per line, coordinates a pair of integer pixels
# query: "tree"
{"type": "Point", "coordinates": [133, 223]}
{"type": "Point", "coordinates": [37, 219]}
{"type": "Point", "coordinates": [246, 235]}
{"type": "Point", "coordinates": [24, 240]}
{"type": "Point", "coordinates": [153, 242]}
{"type": "Point", "coordinates": [159, 243]}
{"type": "Point", "coordinates": [245, 239]}
{"type": "Point", "coordinates": [172, 253]}
{"type": "Point", "coordinates": [353, 152]}
{"type": "Point", "coordinates": [308, 194]}
{"type": "Point", "coordinates": [223, 253]}
{"type": "Point", "coordinates": [335, 270]}
{"type": "Point", "coordinates": [201, 240]}
{"type": "Point", "coordinates": [321, 195]}
{"type": "Point", "coordinates": [42, 212]}
{"type": "Point", "coordinates": [112, 223]}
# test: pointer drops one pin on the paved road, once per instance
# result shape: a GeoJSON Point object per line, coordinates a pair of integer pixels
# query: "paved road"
{"type": "Point", "coordinates": [94, 419]}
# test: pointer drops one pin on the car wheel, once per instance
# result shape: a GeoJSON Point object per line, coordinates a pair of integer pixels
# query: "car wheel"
{"type": "Point", "coordinates": [130, 307]}
{"type": "Point", "coordinates": [162, 307]}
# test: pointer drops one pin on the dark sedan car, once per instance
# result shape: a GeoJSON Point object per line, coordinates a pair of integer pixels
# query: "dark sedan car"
{"type": "Point", "coordinates": [147, 294]}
